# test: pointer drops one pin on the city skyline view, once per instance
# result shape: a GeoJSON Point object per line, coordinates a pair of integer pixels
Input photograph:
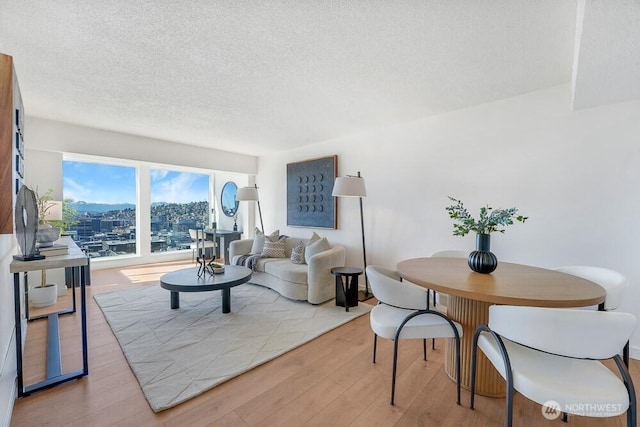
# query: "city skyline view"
{"type": "Point", "coordinates": [106, 209]}
{"type": "Point", "coordinates": [101, 183]}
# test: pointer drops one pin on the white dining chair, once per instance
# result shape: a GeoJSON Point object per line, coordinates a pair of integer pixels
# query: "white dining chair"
{"type": "Point", "coordinates": [199, 242]}
{"type": "Point", "coordinates": [450, 253]}
{"type": "Point", "coordinates": [441, 300]}
{"type": "Point", "coordinates": [402, 313]}
{"type": "Point", "coordinates": [614, 283]}
{"type": "Point", "coordinates": [547, 355]}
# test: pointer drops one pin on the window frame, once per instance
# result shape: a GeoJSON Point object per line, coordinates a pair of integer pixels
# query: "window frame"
{"type": "Point", "coordinates": [143, 207]}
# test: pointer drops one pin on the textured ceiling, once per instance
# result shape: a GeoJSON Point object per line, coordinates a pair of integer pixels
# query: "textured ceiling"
{"type": "Point", "coordinates": [254, 76]}
{"type": "Point", "coordinates": [608, 59]}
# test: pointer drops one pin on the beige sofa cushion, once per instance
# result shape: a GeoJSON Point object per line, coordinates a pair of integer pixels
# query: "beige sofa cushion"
{"type": "Point", "coordinates": [262, 262]}
{"type": "Point", "coordinates": [287, 271]}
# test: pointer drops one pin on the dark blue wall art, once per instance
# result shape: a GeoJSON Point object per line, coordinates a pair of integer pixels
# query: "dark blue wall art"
{"type": "Point", "coordinates": [309, 187]}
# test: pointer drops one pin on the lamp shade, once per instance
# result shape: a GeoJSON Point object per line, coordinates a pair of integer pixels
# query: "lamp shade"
{"type": "Point", "coordinates": [247, 194]}
{"type": "Point", "coordinates": [349, 186]}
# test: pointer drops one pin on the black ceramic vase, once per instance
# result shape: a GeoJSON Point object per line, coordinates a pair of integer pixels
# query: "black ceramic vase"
{"type": "Point", "coordinates": [482, 260]}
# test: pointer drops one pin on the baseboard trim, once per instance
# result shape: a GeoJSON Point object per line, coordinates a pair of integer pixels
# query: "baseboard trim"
{"type": "Point", "coordinates": [634, 352]}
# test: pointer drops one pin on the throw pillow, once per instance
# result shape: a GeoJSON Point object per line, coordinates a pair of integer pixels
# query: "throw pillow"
{"type": "Point", "coordinates": [274, 249]}
{"type": "Point", "coordinates": [297, 253]}
{"type": "Point", "coordinates": [260, 238]}
{"type": "Point", "coordinates": [258, 244]}
{"type": "Point", "coordinates": [314, 238]}
{"type": "Point", "coordinates": [315, 248]}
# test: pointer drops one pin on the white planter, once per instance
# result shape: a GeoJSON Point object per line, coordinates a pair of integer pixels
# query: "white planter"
{"type": "Point", "coordinates": [43, 296]}
{"type": "Point", "coordinates": [62, 291]}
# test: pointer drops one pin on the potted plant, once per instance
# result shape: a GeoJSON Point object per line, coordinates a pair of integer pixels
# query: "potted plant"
{"type": "Point", "coordinates": [46, 294]}
{"type": "Point", "coordinates": [46, 234]}
{"type": "Point", "coordinates": [491, 220]}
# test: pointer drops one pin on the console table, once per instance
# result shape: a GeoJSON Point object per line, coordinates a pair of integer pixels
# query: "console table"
{"type": "Point", "coordinates": [227, 237]}
{"type": "Point", "coordinates": [77, 263]}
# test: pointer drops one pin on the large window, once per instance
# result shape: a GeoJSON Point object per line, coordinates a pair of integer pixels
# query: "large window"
{"type": "Point", "coordinates": [104, 197]}
{"type": "Point", "coordinates": [179, 201]}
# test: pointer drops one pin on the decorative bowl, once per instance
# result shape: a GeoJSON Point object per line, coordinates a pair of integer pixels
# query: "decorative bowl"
{"type": "Point", "coordinates": [46, 236]}
{"type": "Point", "coordinates": [217, 270]}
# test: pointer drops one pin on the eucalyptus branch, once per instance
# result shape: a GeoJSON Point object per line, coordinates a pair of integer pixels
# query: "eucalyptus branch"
{"type": "Point", "coordinates": [44, 204]}
{"type": "Point", "coordinates": [490, 220]}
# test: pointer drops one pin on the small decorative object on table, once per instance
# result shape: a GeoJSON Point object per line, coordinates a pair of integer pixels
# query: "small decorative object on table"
{"type": "Point", "coordinates": [55, 249]}
{"type": "Point", "coordinates": [26, 222]}
{"type": "Point", "coordinates": [216, 268]}
{"type": "Point", "coordinates": [47, 235]}
{"type": "Point", "coordinates": [208, 266]}
{"type": "Point", "coordinates": [482, 260]}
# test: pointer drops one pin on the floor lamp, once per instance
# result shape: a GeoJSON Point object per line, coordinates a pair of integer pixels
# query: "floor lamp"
{"type": "Point", "coordinates": [250, 194]}
{"type": "Point", "coordinates": [353, 186]}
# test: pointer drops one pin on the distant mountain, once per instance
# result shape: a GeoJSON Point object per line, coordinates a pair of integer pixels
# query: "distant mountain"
{"type": "Point", "coordinates": [82, 207]}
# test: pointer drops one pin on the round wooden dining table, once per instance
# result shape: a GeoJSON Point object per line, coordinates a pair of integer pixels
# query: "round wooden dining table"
{"type": "Point", "coordinates": [471, 294]}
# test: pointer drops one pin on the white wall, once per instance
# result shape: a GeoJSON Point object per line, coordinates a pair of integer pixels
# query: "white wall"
{"type": "Point", "coordinates": [8, 247]}
{"type": "Point", "coordinates": [575, 174]}
{"type": "Point", "coordinates": [49, 135]}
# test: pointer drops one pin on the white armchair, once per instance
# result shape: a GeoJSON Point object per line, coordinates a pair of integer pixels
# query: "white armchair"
{"type": "Point", "coordinates": [547, 355]}
{"type": "Point", "coordinates": [403, 313]}
{"type": "Point", "coordinates": [613, 282]}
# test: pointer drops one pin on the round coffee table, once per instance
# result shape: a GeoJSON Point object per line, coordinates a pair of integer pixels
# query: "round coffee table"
{"type": "Point", "coordinates": [187, 280]}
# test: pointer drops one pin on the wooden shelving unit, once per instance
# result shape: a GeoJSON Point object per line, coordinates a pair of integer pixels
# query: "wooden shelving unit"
{"type": "Point", "coordinates": [11, 142]}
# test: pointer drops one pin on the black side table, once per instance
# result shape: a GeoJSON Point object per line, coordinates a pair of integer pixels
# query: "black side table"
{"type": "Point", "coordinates": [346, 286]}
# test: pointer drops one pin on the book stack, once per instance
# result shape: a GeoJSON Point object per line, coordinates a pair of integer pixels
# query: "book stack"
{"type": "Point", "coordinates": [55, 250]}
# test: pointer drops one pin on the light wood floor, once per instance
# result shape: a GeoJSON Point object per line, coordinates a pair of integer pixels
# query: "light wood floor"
{"type": "Point", "coordinates": [327, 382]}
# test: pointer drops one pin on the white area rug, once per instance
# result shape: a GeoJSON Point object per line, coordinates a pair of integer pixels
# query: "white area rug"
{"type": "Point", "coordinates": [178, 354]}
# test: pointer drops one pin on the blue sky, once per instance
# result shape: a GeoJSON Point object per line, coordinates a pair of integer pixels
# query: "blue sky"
{"type": "Point", "coordinates": [102, 183]}
{"type": "Point", "coordinates": [178, 187]}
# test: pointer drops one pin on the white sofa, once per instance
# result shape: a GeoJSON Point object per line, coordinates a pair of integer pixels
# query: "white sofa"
{"type": "Point", "coordinates": [311, 282]}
